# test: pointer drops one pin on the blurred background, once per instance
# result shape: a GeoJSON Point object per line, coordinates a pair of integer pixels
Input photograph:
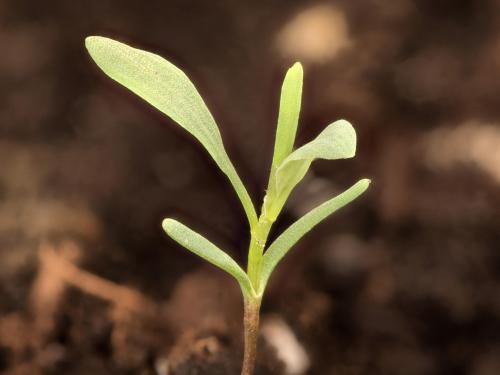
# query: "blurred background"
{"type": "Point", "coordinates": [404, 281]}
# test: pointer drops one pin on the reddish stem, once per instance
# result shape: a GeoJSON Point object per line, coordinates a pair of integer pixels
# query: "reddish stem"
{"type": "Point", "coordinates": [251, 333]}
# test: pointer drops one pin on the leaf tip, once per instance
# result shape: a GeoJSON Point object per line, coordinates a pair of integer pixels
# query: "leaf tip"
{"type": "Point", "coordinates": [96, 45]}
{"type": "Point", "coordinates": [168, 225]}
{"type": "Point", "coordinates": [91, 41]}
{"type": "Point", "coordinates": [298, 66]}
{"type": "Point", "coordinates": [364, 184]}
{"type": "Point", "coordinates": [350, 135]}
{"type": "Point", "coordinates": [297, 71]}
{"type": "Point", "coordinates": [366, 181]}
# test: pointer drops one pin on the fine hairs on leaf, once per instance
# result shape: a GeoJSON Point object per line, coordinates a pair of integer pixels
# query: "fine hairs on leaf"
{"type": "Point", "coordinates": [278, 249]}
{"type": "Point", "coordinates": [336, 141]}
{"type": "Point", "coordinates": [288, 118]}
{"type": "Point", "coordinates": [202, 247]}
{"type": "Point", "coordinates": [167, 88]}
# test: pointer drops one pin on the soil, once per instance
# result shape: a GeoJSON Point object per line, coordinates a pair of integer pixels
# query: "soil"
{"type": "Point", "coordinates": [404, 281]}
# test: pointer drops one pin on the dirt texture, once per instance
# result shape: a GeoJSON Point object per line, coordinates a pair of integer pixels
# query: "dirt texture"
{"type": "Point", "coordinates": [404, 281]}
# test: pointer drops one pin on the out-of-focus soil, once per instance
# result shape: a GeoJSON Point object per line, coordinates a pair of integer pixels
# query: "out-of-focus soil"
{"type": "Point", "coordinates": [404, 281]}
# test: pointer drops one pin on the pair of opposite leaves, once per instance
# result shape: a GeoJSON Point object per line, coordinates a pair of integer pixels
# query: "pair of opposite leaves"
{"type": "Point", "coordinates": [168, 89]}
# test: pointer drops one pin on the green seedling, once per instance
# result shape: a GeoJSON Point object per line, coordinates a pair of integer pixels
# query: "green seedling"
{"type": "Point", "coordinates": [167, 88]}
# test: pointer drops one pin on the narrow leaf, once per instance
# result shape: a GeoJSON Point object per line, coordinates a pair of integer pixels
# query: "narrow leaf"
{"type": "Point", "coordinates": [167, 88]}
{"type": "Point", "coordinates": [288, 118]}
{"type": "Point", "coordinates": [278, 249]}
{"type": "Point", "coordinates": [202, 247]}
{"type": "Point", "coordinates": [336, 141]}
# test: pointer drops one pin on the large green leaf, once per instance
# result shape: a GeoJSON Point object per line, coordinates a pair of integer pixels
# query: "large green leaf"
{"type": "Point", "coordinates": [168, 89]}
{"type": "Point", "coordinates": [280, 247]}
{"type": "Point", "coordinates": [288, 118]}
{"type": "Point", "coordinates": [202, 247]}
{"type": "Point", "coordinates": [336, 141]}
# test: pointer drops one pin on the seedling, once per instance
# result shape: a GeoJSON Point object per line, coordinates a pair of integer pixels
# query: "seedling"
{"type": "Point", "coordinates": [167, 88]}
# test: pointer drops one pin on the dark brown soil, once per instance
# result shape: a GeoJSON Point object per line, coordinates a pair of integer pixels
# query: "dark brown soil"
{"type": "Point", "coordinates": [405, 281]}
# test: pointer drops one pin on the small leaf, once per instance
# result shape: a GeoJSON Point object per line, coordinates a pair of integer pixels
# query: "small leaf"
{"type": "Point", "coordinates": [168, 89]}
{"type": "Point", "coordinates": [336, 141]}
{"type": "Point", "coordinates": [202, 247]}
{"type": "Point", "coordinates": [288, 118]}
{"type": "Point", "coordinates": [278, 249]}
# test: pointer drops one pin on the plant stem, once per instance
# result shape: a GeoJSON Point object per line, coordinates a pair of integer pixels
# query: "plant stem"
{"type": "Point", "coordinates": [251, 334]}
{"type": "Point", "coordinates": [252, 302]}
{"type": "Point", "coordinates": [257, 243]}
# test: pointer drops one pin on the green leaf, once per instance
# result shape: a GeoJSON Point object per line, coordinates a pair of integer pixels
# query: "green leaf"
{"type": "Point", "coordinates": [280, 247]}
{"type": "Point", "coordinates": [336, 141]}
{"type": "Point", "coordinates": [167, 88]}
{"type": "Point", "coordinates": [288, 118]}
{"type": "Point", "coordinates": [202, 247]}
